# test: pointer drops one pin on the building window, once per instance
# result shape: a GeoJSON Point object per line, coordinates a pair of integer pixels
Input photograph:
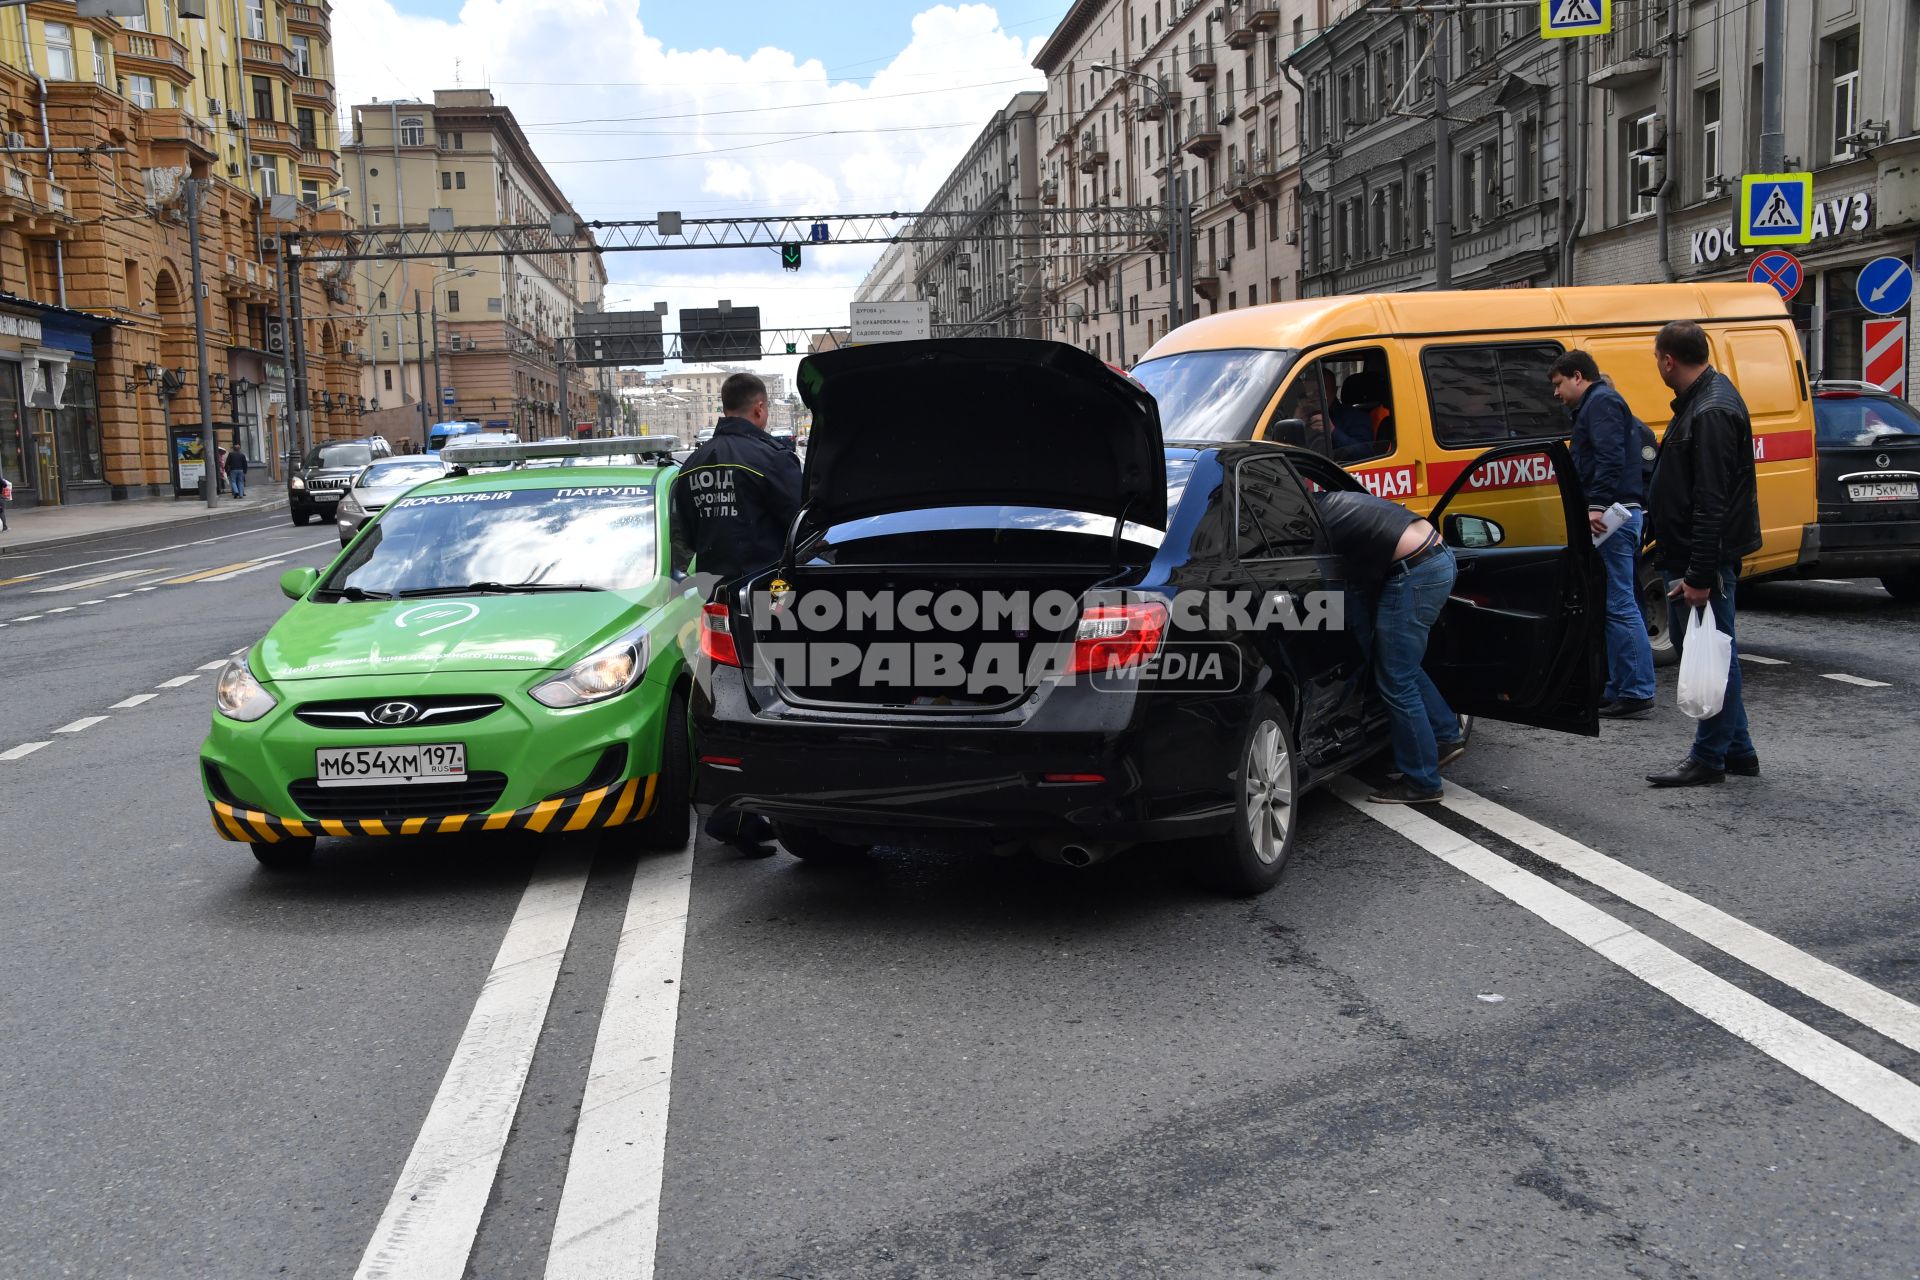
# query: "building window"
{"type": "Point", "coordinates": [262, 98]}
{"type": "Point", "coordinates": [303, 55]}
{"type": "Point", "coordinates": [140, 91]}
{"type": "Point", "coordinates": [446, 180]}
{"type": "Point", "coordinates": [269, 176]}
{"type": "Point", "coordinates": [1843, 61]}
{"type": "Point", "coordinates": [413, 132]}
{"type": "Point", "coordinates": [459, 142]}
{"type": "Point", "coordinates": [257, 19]}
{"type": "Point", "coordinates": [459, 179]}
{"type": "Point", "coordinates": [309, 129]}
{"type": "Point", "coordinates": [1468, 197]}
{"type": "Point", "coordinates": [453, 300]}
{"type": "Point", "coordinates": [376, 215]}
{"type": "Point", "coordinates": [310, 194]}
{"type": "Point", "coordinates": [1706, 109]}
{"type": "Point", "coordinates": [387, 373]}
{"type": "Point", "coordinates": [1526, 161]}
{"type": "Point", "coordinates": [59, 51]}
{"type": "Point", "coordinates": [1639, 168]}
{"type": "Point", "coordinates": [99, 61]}
{"type": "Point", "coordinates": [1422, 207]}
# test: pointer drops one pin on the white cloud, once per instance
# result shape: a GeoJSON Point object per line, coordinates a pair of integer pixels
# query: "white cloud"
{"type": "Point", "coordinates": [629, 127]}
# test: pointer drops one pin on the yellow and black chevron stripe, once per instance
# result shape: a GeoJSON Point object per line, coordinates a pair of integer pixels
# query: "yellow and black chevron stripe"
{"type": "Point", "coordinates": [613, 806]}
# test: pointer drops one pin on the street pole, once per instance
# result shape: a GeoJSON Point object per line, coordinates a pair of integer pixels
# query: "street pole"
{"type": "Point", "coordinates": [566, 418]}
{"type": "Point", "coordinates": [209, 445]}
{"type": "Point", "coordinates": [1174, 319]}
{"type": "Point", "coordinates": [303, 415]}
{"type": "Point", "coordinates": [1442, 61]}
{"type": "Point", "coordinates": [1189, 249]}
{"type": "Point", "coordinates": [420, 342]}
{"type": "Point", "coordinates": [439, 384]}
{"type": "Point", "coordinates": [1773, 86]}
{"type": "Point", "coordinates": [291, 441]}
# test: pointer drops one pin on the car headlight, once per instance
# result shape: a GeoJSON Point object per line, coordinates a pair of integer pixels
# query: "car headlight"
{"type": "Point", "coordinates": [238, 695]}
{"type": "Point", "coordinates": [349, 509]}
{"type": "Point", "coordinates": [607, 672]}
{"type": "Point", "coordinates": [298, 482]}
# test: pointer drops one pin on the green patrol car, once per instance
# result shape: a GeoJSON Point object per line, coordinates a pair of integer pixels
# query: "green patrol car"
{"type": "Point", "coordinates": [497, 651]}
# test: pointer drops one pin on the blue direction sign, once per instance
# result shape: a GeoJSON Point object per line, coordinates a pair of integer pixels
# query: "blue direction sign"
{"type": "Point", "coordinates": [446, 396]}
{"type": "Point", "coordinates": [1779, 269]}
{"type": "Point", "coordinates": [1775, 208]}
{"type": "Point", "coordinates": [1562, 18]}
{"type": "Point", "coordinates": [1885, 286]}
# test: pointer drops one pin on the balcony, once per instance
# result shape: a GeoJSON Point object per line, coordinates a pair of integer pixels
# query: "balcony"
{"type": "Point", "coordinates": [313, 92]}
{"type": "Point", "coordinates": [1203, 136]}
{"type": "Point", "coordinates": [1240, 32]}
{"type": "Point", "coordinates": [321, 165]}
{"type": "Point", "coordinates": [1050, 192]}
{"type": "Point", "coordinates": [175, 124]}
{"type": "Point", "coordinates": [1093, 153]}
{"type": "Point", "coordinates": [1206, 280]}
{"type": "Point", "coordinates": [261, 55]}
{"type": "Point", "coordinates": [1154, 109]}
{"type": "Point", "coordinates": [1630, 53]}
{"type": "Point", "coordinates": [309, 20]}
{"type": "Point", "coordinates": [1262, 15]}
{"type": "Point", "coordinates": [139, 53]}
{"type": "Point", "coordinates": [274, 135]}
{"type": "Point", "coordinates": [1204, 66]}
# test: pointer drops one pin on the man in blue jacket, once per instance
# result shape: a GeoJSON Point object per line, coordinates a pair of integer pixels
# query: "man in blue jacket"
{"type": "Point", "coordinates": [1606, 455]}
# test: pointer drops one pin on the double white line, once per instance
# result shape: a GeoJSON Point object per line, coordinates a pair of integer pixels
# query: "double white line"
{"type": "Point", "coordinates": [1888, 1097]}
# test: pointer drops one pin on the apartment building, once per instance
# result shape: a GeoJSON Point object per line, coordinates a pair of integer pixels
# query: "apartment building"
{"type": "Point", "coordinates": [478, 340]}
{"type": "Point", "coordinates": [106, 120]}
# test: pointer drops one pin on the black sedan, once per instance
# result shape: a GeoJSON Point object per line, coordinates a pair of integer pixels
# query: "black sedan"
{"type": "Point", "coordinates": [1869, 487]}
{"type": "Point", "coordinates": [1012, 617]}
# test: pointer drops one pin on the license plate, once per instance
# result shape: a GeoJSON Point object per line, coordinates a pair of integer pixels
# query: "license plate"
{"type": "Point", "coordinates": [391, 766]}
{"type": "Point", "coordinates": [1885, 491]}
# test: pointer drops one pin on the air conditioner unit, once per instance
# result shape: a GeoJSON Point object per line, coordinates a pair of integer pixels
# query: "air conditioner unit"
{"type": "Point", "coordinates": [213, 107]}
{"type": "Point", "coordinates": [1260, 159]}
{"type": "Point", "coordinates": [1224, 261]}
{"type": "Point", "coordinates": [1293, 237]}
{"type": "Point", "coordinates": [262, 162]}
{"type": "Point", "coordinates": [1240, 171]}
{"type": "Point", "coordinates": [1088, 142]}
{"type": "Point", "coordinates": [234, 121]}
{"type": "Point", "coordinates": [233, 168]}
{"type": "Point", "coordinates": [1226, 115]}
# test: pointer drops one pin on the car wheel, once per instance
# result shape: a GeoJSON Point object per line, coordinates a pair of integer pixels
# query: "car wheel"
{"type": "Point", "coordinates": [1250, 858]}
{"type": "Point", "coordinates": [671, 821]}
{"type": "Point", "coordinates": [300, 518]}
{"type": "Point", "coordinates": [290, 854]}
{"type": "Point", "coordinates": [1653, 606]}
{"type": "Point", "coordinates": [1904, 587]}
{"type": "Point", "coordinates": [811, 846]}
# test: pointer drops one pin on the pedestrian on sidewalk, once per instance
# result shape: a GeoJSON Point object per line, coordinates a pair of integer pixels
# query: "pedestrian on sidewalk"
{"type": "Point", "coordinates": [1706, 517]}
{"type": "Point", "coordinates": [1404, 572]}
{"type": "Point", "coordinates": [237, 470]}
{"type": "Point", "coordinates": [6, 496]}
{"type": "Point", "coordinates": [1606, 457]}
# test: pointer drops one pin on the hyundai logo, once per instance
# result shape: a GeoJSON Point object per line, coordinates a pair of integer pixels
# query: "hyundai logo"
{"type": "Point", "coordinates": [394, 713]}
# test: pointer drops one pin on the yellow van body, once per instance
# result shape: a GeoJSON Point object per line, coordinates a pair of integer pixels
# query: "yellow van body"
{"type": "Point", "coordinates": [1753, 343]}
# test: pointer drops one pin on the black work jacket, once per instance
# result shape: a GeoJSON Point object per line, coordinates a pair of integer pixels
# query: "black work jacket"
{"type": "Point", "coordinates": [1703, 508]}
{"type": "Point", "coordinates": [734, 498]}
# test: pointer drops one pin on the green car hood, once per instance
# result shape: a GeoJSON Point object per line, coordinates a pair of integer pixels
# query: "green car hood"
{"type": "Point", "coordinates": [316, 641]}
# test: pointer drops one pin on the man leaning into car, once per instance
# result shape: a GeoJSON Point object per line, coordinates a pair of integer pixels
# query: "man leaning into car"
{"type": "Point", "coordinates": [1402, 569]}
{"type": "Point", "coordinates": [732, 502]}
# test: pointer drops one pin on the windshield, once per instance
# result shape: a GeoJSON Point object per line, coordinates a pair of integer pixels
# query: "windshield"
{"type": "Point", "coordinates": [340, 455]}
{"type": "Point", "coordinates": [596, 538]}
{"type": "Point", "coordinates": [1855, 419]}
{"type": "Point", "coordinates": [407, 471]}
{"type": "Point", "coordinates": [1213, 395]}
{"type": "Point", "coordinates": [949, 519]}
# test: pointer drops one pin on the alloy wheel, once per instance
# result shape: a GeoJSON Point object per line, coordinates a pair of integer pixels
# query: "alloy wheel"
{"type": "Point", "coordinates": [1269, 792]}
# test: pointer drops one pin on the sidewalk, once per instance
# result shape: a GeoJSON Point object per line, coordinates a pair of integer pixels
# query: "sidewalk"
{"type": "Point", "coordinates": [42, 528]}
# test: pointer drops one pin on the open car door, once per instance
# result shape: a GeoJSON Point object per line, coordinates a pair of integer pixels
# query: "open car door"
{"type": "Point", "coordinates": [1521, 637]}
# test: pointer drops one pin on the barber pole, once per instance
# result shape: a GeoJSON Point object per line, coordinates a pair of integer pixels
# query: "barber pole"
{"type": "Point", "coordinates": [1885, 342]}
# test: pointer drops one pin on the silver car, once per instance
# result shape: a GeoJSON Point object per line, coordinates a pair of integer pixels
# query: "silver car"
{"type": "Point", "coordinates": [380, 484]}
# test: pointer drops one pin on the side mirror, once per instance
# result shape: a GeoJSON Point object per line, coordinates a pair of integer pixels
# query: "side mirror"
{"type": "Point", "coordinates": [1288, 431]}
{"type": "Point", "coordinates": [1472, 532]}
{"type": "Point", "coordinates": [295, 583]}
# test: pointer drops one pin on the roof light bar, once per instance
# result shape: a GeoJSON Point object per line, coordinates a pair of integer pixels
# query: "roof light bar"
{"type": "Point", "coordinates": [461, 455]}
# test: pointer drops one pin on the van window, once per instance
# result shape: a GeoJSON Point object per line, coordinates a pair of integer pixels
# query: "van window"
{"type": "Point", "coordinates": [1276, 516]}
{"type": "Point", "coordinates": [1485, 395]}
{"type": "Point", "coordinates": [1345, 401]}
{"type": "Point", "coordinates": [1212, 395]}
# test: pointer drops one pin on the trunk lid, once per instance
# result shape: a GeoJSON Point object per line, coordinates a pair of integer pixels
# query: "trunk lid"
{"type": "Point", "coordinates": [1869, 458]}
{"type": "Point", "coordinates": [902, 426]}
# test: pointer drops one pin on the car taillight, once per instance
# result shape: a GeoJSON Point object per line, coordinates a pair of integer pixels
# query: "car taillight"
{"type": "Point", "coordinates": [716, 635]}
{"type": "Point", "coordinates": [1117, 635]}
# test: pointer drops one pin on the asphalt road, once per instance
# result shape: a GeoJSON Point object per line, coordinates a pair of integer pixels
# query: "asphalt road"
{"type": "Point", "coordinates": [1427, 1053]}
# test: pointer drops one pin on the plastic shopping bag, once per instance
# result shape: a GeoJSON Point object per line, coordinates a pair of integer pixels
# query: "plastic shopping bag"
{"type": "Point", "coordinates": [1704, 664]}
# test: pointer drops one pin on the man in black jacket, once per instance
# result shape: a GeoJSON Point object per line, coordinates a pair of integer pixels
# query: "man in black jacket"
{"type": "Point", "coordinates": [1706, 516]}
{"type": "Point", "coordinates": [1606, 456]}
{"type": "Point", "coordinates": [732, 503]}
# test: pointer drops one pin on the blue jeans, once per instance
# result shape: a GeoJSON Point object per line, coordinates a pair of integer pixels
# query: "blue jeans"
{"type": "Point", "coordinates": [1410, 603]}
{"type": "Point", "coordinates": [1723, 737]}
{"type": "Point", "coordinates": [1629, 654]}
{"type": "Point", "coordinates": [238, 480]}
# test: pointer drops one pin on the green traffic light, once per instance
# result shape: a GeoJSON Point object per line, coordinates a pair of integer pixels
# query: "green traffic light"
{"type": "Point", "coordinates": [790, 256]}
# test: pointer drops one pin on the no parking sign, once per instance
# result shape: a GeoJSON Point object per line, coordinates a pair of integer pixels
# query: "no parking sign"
{"type": "Point", "coordinates": [1778, 269]}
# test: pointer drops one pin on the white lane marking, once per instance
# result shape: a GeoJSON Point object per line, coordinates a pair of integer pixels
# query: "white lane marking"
{"type": "Point", "coordinates": [24, 749]}
{"type": "Point", "coordinates": [120, 595]}
{"type": "Point", "coordinates": [608, 1221]}
{"type": "Point", "coordinates": [428, 1227]}
{"type": "Point", "coordinates": [85, 603]}
{"type": "Point", "coordinates": [134, 701]}
{"type": "Point", "coordinates": [177, 681]}
{"type": "Point", "coordinates": [1860, 1000]}
{"type": "Point", "coordinates": [65, 608]}
{"type": "Point", "coordinates": [29, 617]}
{"type": "Point", "coordinates": [1863, 682]}
{"type": "Point", "coordinates": [94, 581]}
{"type": "Point", "coordinates": [143, 588]}
{"type": "Point", "coordinates": [84, 722]}
{"type": "Point", "coordinates": [215, 665]}
{"type": "Point", "coordinates": [1852, 1077]}
{"type": "Point", "coordinates": [1764, 662]}
{"type": "Point", "coordinates": [135, 555]}
{"type": "Point", "coordinates": [1831, 582]}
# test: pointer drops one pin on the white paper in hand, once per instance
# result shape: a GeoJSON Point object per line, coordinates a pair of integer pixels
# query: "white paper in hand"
{"type": "Point", "coordinates": [1613, 517]}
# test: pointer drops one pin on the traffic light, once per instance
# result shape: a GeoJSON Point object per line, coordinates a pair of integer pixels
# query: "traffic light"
{"type": "Point", "coordinates": [790, 255]}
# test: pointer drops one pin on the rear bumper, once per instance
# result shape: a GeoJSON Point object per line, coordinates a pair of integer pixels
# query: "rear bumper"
{"type": "Point", "coordinates": [1864, 548]}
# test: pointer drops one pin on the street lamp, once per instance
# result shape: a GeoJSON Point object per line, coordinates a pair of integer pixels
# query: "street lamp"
{"type": "Point", "coordinates": [445, 273]}
{"type": "Point", "coordinates": [1174, 317]}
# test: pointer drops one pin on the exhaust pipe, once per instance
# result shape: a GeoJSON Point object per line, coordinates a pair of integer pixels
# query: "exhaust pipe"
{"type": "Point", "coordinates": [1075, 853]}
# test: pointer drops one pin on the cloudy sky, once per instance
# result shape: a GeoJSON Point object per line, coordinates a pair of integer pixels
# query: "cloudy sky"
{"type": "Point", "coordinates": [715, 109]}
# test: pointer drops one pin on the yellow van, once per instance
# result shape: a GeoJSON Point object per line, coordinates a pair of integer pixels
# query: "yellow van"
{"type": "Point", "coordinates": [1406, 389]}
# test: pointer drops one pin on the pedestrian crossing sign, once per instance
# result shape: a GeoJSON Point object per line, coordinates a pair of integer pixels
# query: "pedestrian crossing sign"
{"type": "Point", "coordinates": [1775, 208]}
{"type": "Point", "coordinates": [1562, 18]}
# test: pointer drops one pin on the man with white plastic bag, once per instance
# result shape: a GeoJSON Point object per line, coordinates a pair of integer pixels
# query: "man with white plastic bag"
{"type": "Point", "coordinates": [1705, 516]}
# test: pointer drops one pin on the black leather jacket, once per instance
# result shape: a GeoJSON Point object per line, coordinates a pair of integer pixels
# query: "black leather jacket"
{"type": "Point", "coordinates": [1703, 508]}
{"type": "Point", "coordinates": [734, 498]}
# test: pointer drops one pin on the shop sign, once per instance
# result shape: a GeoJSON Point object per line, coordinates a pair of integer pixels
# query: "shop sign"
{"type": "Point", "coordinates": [26, 327]}
{"type": "Point", "coordinates": [1852, 213]}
